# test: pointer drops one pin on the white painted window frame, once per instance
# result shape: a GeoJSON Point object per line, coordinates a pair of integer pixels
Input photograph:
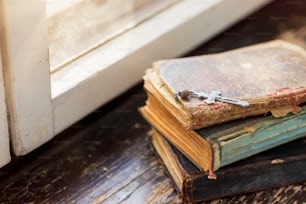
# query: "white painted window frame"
{"type": "Point", "coordinates": [26, 73]}
{"type": "Point", "coordinates": [39, 110]}
{"type": "Point", "coordinates": [4, 136]}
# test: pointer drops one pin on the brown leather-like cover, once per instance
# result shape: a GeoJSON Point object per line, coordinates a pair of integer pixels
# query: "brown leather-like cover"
{"type": "Point", "coordinates": [270, 76]}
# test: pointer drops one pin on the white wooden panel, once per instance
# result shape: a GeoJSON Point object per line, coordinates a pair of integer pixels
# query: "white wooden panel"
{"type": "Point", "coordinates": [84, 25]}
{"type": "Point", "coordinates": [4, 137]}
{"type": "Point", "coordinates": [109, 70]}
{"type": "Point", "coordinates": [26, 73]}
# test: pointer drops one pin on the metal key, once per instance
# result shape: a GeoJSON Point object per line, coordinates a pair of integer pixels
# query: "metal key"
{"type": "Point", "coordinates": [211, 97]}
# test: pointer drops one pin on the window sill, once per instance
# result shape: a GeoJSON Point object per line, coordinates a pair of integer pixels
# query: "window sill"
{"type": "Point", "coordinates": [109, 70]}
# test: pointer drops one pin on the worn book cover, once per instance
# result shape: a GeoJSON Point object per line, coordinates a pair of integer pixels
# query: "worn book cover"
{"type": "Point", "coordinates": [277, 167]}
{"type": "Point", "coordinates": [216, 146]}
{"type": "Point", "coordinates": [269, 77]}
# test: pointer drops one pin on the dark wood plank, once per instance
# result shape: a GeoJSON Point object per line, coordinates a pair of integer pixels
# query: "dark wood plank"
{"type": "Point", "coordinates": [105, 158]}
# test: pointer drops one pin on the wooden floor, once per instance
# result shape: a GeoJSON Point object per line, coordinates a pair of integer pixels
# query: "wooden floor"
{"type": "Point", "coordinates": [105, 158]}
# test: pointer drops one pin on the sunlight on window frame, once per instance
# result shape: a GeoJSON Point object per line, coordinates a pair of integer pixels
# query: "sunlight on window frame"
{"type": "Point", "coordinates": [78, 26]}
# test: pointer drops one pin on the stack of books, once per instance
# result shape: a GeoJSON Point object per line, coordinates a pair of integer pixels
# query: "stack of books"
{"type": "Point", "coordinates": [215, 116]}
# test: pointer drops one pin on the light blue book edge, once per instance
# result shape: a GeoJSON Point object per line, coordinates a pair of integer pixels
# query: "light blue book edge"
{"type": "Point", "coordinates": [262, 136]}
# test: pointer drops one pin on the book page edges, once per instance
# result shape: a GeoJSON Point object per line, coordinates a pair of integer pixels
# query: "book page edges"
{"type": "Point", "coordinates": [170, 160]}
{"type": "Point", "coordinates": [197, 149]}
{"type": "Point", "coordinates": [153, 85]}
{"type": "Point", "coordinates": [279, 102]}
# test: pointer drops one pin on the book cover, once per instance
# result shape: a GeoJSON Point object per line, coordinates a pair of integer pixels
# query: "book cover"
{"type": "Point", "coordinates": [277, 167]}
{"type": "Point", "coordinates": [268, 77]}
{"type": "Point", "coordinates": [213, 147]}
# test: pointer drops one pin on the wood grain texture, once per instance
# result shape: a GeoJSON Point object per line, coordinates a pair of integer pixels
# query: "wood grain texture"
{"type": "Point", "coordinates": [106, 154]}
{"type": "Point", "coordinates": [105, 158]}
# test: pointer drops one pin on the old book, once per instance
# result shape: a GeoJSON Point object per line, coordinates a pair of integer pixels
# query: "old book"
{"type": "Point", "coordinates": [277, 167]}
{"type": "Point", "coordinates": [216, 146]}
{"type": "Point", "coordinates": [270, 77]}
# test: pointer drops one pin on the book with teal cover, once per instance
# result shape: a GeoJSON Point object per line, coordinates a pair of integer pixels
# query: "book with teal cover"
{"type": "Point", "coordinates": [239, 139]}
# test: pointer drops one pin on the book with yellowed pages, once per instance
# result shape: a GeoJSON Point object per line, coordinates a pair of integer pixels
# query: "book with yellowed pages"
{"type": "Point", "coordinates": [188, 95]}
{"type": "Point", "coordinates": [280, 166]}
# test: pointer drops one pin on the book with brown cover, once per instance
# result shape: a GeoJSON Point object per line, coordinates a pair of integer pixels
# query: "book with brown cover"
{"type": "Point", "coordinates": [269, 76]}
{"type": "Point", "coordinates": [280, 166]}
